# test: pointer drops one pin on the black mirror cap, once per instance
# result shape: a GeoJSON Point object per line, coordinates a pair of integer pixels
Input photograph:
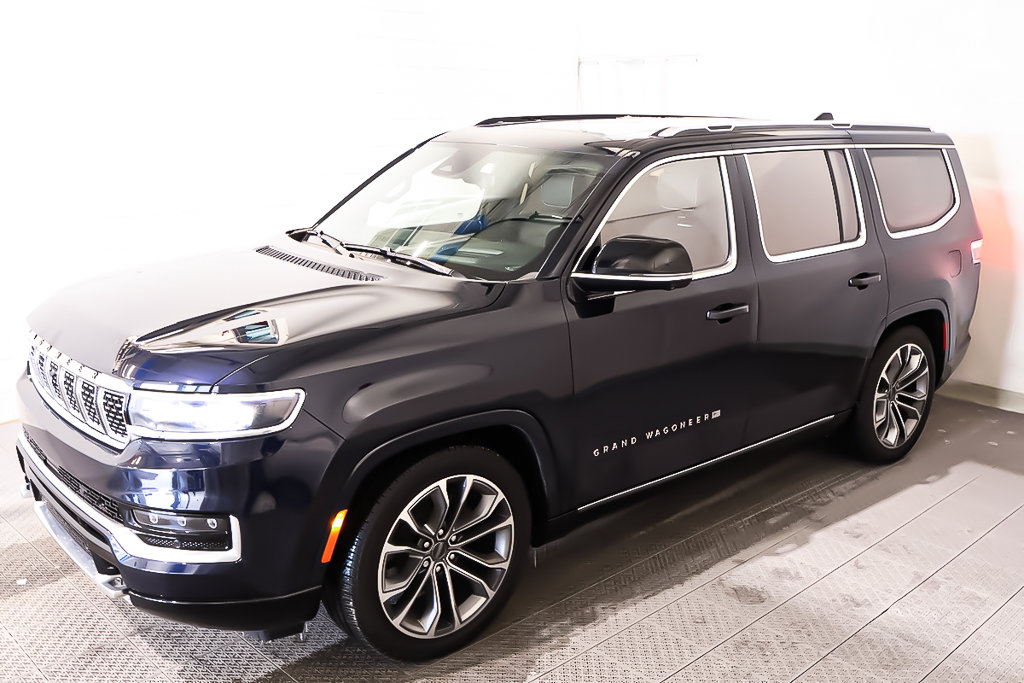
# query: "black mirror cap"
{"type": "Point", "coordinates": [635, 262]}
{"type": "Point", "coordinates": [638, 255]}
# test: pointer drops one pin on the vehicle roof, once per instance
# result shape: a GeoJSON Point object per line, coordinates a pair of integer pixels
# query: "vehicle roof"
{"type": "Point", "coordinates": [618, 133]}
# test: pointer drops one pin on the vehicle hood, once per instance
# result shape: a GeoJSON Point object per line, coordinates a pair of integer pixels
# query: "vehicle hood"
{"type": "Point", "coordinates": [198, 319]}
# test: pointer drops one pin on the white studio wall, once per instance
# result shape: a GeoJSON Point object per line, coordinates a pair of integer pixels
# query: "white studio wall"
{"type": "Point", "coordinates": [951, 67]}
{"type": "Point", "coordinates": [133, 133]}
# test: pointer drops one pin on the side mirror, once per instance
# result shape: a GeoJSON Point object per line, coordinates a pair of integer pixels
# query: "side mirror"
{"type": "Point", "coordinates": [633, 262]}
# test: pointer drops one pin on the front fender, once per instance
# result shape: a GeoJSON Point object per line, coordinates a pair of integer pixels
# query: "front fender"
{"type": "Point", "coordinates": [528, 426]}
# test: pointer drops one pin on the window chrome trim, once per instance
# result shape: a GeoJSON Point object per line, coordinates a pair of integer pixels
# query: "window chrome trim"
{"type": "Point", "coordinates": [924, 229]}
{"type": "Point", "coordinates": [816, 251]}
{"type": "Point", "coordinates": [731, 259]}
{"type": "Point", "coordinates": [126, 538]}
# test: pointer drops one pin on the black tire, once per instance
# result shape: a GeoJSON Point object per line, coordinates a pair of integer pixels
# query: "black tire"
{"type": "Point", "coordinates": [884, 442]}
{"type": "Point", "coordinates": [351, 594]}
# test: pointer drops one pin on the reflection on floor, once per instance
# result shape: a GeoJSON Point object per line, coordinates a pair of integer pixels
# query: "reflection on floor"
{"type": "Point", "coordinates": [790, 564]}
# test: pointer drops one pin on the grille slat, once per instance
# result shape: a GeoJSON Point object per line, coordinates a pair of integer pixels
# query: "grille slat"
{"type": "Point", "coordinates": [89, 402]}
{"type": "Point", "coordinates": [113, 410]}
{"type": "Point", "coordinates": [79, 395]}
{"type": "Point", "coordinates": [70, 397]}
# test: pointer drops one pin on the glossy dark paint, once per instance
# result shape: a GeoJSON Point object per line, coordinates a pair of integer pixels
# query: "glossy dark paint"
{"type": "Point", "coordinates": [415, 360]}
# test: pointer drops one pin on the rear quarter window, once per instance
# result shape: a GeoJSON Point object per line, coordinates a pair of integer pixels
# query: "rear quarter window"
{"type": "Point", "coordinates": [914, 187]}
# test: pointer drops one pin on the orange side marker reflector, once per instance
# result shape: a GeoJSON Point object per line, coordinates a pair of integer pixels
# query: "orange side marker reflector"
{"type": "Point", "coordinates": [332, 540]}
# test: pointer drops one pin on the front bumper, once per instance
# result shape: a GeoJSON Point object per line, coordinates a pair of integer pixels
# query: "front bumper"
{"type": "Point", "coordinates": [267, 581]}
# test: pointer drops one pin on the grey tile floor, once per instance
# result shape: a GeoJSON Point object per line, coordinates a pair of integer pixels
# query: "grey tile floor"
{"type": "Point", "coordinates": [789, 564]}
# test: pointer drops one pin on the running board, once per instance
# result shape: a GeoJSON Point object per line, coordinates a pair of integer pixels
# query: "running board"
{"type": "Point", "coordinates": [668, 477]}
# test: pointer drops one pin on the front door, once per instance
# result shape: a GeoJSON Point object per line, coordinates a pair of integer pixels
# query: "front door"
{"type": "Point", "coordinates": [659, 375]}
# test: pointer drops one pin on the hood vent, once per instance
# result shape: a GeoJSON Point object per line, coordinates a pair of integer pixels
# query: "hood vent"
{"type": "Point", "coordinates": [357, 275]}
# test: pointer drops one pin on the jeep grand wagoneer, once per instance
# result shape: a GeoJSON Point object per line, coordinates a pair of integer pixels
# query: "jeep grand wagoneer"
{"type": "Point", "coordinates": [507, 326]}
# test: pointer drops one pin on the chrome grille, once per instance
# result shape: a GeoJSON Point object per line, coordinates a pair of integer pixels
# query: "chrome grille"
{"type": "Point", "coordinates": [92, 402]}
{"type": "Point", "coordinates": [69, 392]}
{"type": "Point", "coordinates": [88, 394]}
{"type": "Point", "coordinates": [113, 410]}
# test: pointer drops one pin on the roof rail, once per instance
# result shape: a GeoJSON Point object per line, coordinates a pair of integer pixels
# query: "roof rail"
{"type": "Point", "coordinates": [500, 120]}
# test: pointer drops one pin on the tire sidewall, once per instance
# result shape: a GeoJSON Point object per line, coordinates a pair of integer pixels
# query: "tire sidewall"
{"type": "Point", "coordinates": [359, 575]}
{"type": "Point", "coordinates": [870, 447]}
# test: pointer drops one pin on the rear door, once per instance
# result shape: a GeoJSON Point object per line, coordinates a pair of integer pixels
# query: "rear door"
{"type": "Point", "coordinates": [822, 291]}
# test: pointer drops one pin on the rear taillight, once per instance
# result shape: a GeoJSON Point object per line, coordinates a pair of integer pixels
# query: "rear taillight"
{"type": "Point", "coordinates": [976, 251]}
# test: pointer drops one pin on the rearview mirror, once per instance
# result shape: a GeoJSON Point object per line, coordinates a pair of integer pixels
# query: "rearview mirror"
{"type": "Point", "coordinates": [634, 262]}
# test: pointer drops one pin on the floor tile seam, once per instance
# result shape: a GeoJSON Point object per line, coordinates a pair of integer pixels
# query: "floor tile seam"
{"type": "Point", "coordinates": [831, 483]}
{"type": "Point", "coordinates": [975, 631]}
{"type": "Point", "coordinates": [824, 576]}
{"type": "Point", "coordinates": [734, 567]}
{"type": "Point", "coordinates": [248, 643]}
{"type": "Point", "coordinates": [915, 587]}
{"type": "Point", "coordinates": [74, 586]}
{"type": "Point", "coordinates": [18, 644]}
{"type": "Point", "coordinates": [668, 604]}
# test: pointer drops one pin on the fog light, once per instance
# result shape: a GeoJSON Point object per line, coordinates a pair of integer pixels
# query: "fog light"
{"type": "Point", "coordinates": [167, 521]}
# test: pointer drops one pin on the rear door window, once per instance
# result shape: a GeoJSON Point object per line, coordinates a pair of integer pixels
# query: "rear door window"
{"type": "Point", "coordinates": [806, 202]}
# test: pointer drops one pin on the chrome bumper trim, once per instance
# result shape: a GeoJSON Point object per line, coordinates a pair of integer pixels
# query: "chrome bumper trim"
{"type": "Point", "coordinates": [124, 539]}
{"type": "Point", "coordinates": [111, 584]}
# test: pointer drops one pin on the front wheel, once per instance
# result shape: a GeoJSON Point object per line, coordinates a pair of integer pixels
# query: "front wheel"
{"type": "Point", "coordinates": [896, 397]}
{"type": "Point", "coordinates": [436, 557]}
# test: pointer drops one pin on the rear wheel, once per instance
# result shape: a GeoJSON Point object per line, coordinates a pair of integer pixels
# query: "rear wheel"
{"type": "Point", "coordinates": [436, 557]}
{"type": "Point", "coordinates": [896, 397]}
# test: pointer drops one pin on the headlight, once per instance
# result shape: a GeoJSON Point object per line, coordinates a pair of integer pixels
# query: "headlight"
{"type": "Point", "coordinates": [178, 416]}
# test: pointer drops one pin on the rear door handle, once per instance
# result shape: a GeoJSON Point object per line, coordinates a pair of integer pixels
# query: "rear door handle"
{"type": "Point", "coordinates": [862, 280]}
{"type": "Point", "coordinates": [727, 312]}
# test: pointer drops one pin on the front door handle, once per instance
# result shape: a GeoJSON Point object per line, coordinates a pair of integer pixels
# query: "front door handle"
{"type": "Point", "coordinates": [862, 280]}
{"type": "Point", "coordinates": [727, 312]}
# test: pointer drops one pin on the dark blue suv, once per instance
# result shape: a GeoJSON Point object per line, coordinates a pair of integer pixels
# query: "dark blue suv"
{"type": "Point", "coordinates": [506, 327]}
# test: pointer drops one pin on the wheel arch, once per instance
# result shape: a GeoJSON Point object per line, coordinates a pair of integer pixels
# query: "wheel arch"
{"type": "Point", "coordinates": [514, 434]}
{"type": "Point", "coordinates": [932, 318]}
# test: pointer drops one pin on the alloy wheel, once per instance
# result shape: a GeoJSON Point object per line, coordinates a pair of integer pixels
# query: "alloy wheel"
{"type": "Point", "coordinates": [445, 556]}
{"type": "Point", "coordinates": [901, 395]}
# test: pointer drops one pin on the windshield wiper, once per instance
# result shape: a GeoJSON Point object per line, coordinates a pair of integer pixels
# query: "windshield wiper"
{"type": "Point", "coordinates": [340, 247]}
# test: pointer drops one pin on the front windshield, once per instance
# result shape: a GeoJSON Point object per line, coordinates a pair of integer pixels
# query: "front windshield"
{"type": "Point", "coordinates": [485, 211]}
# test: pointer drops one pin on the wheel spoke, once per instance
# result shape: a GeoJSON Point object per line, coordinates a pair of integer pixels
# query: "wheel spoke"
{"type": "Point", "coordinates": [390, 589]}
{"type": "Point", "coordinates": [476, 580]}
{"type": "Point", "coordinates": [397, 620]}
{"type": "Point", "coordinates": [484, 531]}
{"type": "Point", "coordinates": [415, 525]}
{"type": "Point", "coordinates": [436, 612]}
{"type": "Point", "coordinates": [467, 487]}
{"type": "Point", "coordinates": [911, 377]}
{"type": "Point", "coordinates": [456, 616]}
{"type": "Point", "coordinates": [498, 563]}
{"type": "Point", "coordinates": [488, 504]}
{"type": "Point", "coordinates": [901, 427]}
{"type": "Point", "coordinates": [907, 407]}
{"type": "Point", "coordinates": [881, 411]}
